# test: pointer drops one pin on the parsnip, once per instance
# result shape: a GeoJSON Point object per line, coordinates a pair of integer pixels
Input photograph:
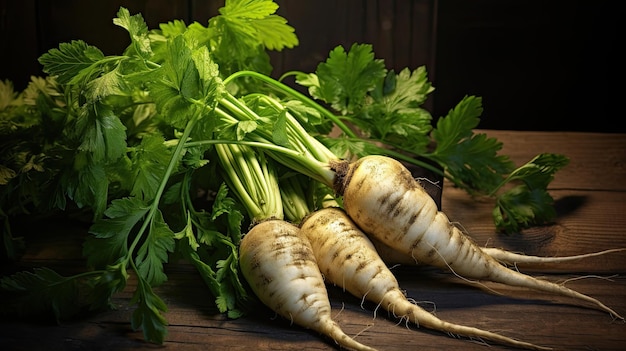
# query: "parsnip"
{"type": "Point", "coordinates": [278, 263]}
{"type": "Point", "coordinates": [382, 197]}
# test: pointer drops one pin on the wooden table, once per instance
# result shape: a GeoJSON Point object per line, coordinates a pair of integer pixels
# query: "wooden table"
{"type": "Point", "coordinates": [590, 196]}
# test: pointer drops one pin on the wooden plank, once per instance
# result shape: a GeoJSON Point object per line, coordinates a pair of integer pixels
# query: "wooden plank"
{"type": "Point", "coordinates": [533, 317]}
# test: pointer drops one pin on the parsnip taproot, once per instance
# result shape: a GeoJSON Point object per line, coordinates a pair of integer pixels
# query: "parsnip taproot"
{"type": "Point", "coordinates": [382, 197]}
{"type": "Point", "coordinates": [278, 263]}
{"type": "Point", "coordinates": [505, 257]}
{"type": "Point", "coordinates": [347, 258]}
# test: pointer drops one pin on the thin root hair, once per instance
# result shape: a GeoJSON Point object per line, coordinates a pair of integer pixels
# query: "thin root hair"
{"type": "Point", "coordinates": [392, 312]}
{"type": "Point", "coordinates": [399, 320]}
{"type": "Point", "coordinates": [420, 303]}
{"type": "Point", "coordinates": [435, 183]}
{"type": "Point", "coordinates": [488, 240]}
{"type": "Point", "coordinates": [395, 266]}
{"type": "Point", "coordinates": [364, 300]}
{"type": "Point", "coordinates": [479, 341]}
{"type": "Point", "coordinates": [460, 227]}
{"type": "Point", "coordinates": [407, 323]}
{"type": "Point", "coordinates": [375, 309]}
{"type": "Point", "coordinates": [364, 329]}
{"type": "Point", "coordinates": [454, 335]}
{"type": "Point", "coordinates": [343, 307]}
{"type": "Point", "coordinates": [475, 282]}
{"type": "Point", "coordinates": [512, 266]}
{"type": "Point", "coordinates": [609, 278]}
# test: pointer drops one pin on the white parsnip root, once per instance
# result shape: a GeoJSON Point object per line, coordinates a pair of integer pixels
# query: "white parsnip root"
{"type": "Point", "coordinates": [348, 259]}
{"type": "Point", "coordinates": [278, 263]}
{"type": "Point", "coordinates": [382, 197]}
{"type": "Point", "coordinates": [512, 258]}
{"type": "Point", "coordinates": [392, 256]}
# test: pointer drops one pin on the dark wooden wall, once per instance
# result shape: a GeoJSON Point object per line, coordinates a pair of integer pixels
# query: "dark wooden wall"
{"type": "Point", "coordinates": [539, 65]}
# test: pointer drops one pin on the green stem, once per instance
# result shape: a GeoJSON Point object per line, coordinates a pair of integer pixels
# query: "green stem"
{"type": "Point", "coordinates": [235, 182]}
{"type": "Point", "coordinates": [306, 141]}
{"type": "Point", "coordinates": [252, 180]}
{"type": "Point", "coordinates": [316, 166]}
{"type": "Point", "coordinates": [292, 159]}
{"type": "Point", "coordinates": [290, 91]}
{"type": "Point", "coordinates": [176, 155]}
{"type": "Point", "coordinates": [299, 160]}
{"type": "Point", "coordinates": [238, 108]}
{"type": "Point", "coordinates": [294, 199]}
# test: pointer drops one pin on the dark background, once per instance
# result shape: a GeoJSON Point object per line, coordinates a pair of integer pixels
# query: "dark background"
{"type": "Point", "coordinates": [539, 65]}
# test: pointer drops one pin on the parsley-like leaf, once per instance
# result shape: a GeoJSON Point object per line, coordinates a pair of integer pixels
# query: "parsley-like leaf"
{"type": "Point", "coordinates": [175, 83]}
{"type": "Point", "coordinates": [214, 253]}
{"type": "Point", "coordinates": [187, 236]}
{"type": "Point", "coordinates": [102, 287]}
{"type": "Point", "coordinates": [8, 96]}
{"type": "Point", "coordinates": [529, 203]}
{"type": "Point", "coordinates": [471, 159]}
{"type": "Point", "coordinates": [42, 290]}
{"type": "Point", "coordinates": [101, 132]}
{"type": "Point", "coordinates": [242, 32]}
{"type": "Point", "coordinates": [279, 132]}
{"type": "Point", "coordinates": [87, 184]}
{"type": "Point", "coordinates": [175, 27]}
{"type": "Point", "coordinates": [154, 251]}
{"type": "Point", "coordinates": [344, 79]}
{"type": "Point", "coordinates": [186, 84]}
{"type": "Point", "coordinates": [245, 127]}
{"type": "Point", "coordinates": [521, 207]}
{"type": "Point", "coordinates": [149, 162]}
{"type": "Point", "coordinates": [109, 83]}
{"type": "Point", "coordinates": [69, 60]}
{"type": "Point", "coordinates": [109, 241]}
{"type": "Point", "coordinates": [148, 316]}
{"type": "Point", "coordinates": [228, 297]}
{"type": "Point", "coordinates": [539, 171]}
{"type": "Point", "coordinates": [394, 115]}
{"type": "Point", "coordinates": [138, 30]}
{"type": "Point", "coordinates": [309, 118]}
{"type": "Point", "coordinates": [250, 23]}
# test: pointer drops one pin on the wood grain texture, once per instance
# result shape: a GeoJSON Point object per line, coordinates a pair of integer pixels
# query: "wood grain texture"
{"type": "Point", "coordinates": [591, 216]}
